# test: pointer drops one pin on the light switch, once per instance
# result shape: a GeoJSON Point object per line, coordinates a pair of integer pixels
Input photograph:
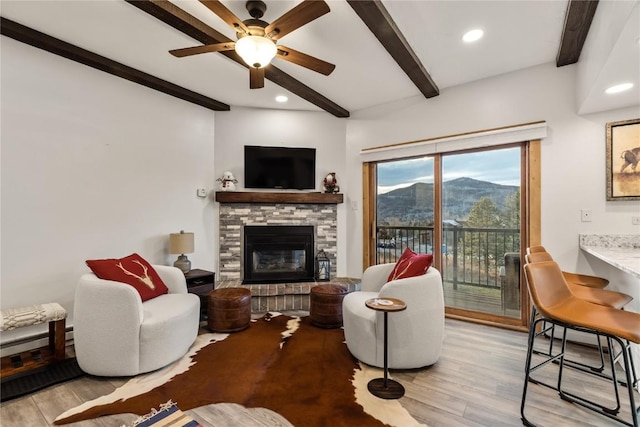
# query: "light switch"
{"type": "Point", "coordinates": [201, 192]}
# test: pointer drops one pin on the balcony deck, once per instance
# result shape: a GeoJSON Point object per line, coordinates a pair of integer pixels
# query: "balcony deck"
{"type": "Point", "coordinates": [472, 298]}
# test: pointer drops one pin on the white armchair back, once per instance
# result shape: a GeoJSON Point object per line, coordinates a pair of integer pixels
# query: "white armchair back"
{"type": "Point", "coordinates": [116, 334]}
{"type": "Point", "coordinates": [415, 334]}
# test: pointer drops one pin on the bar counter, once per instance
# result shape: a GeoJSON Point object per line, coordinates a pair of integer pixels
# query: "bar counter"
{"type": "Point", "coordinates": [622, 253]}
{"type": "Point", "coordinates": [620, 250]}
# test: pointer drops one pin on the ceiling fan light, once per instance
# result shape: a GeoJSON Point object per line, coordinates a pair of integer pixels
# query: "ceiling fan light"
{"type": "Point", "coordinates": [256, 51]}
{"type": "Point", "coordinates": [619, 88]}
{"type": "Point", "coordinates": [473, 35]}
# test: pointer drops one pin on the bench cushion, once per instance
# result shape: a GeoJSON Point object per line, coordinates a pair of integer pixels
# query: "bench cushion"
{"type": "Point", "coordinates": [13, 318]}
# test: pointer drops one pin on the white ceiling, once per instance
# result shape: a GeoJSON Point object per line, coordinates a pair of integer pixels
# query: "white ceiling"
{"type": "Point", "coordinates": [518, 34]}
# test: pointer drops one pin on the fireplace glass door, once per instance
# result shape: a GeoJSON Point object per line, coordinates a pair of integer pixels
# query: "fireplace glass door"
{"type": "Point", "coordinates": [278, 254]}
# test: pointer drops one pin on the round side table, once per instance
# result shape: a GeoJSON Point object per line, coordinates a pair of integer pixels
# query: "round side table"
{"type": "Point", "coordinates": [386, 388]}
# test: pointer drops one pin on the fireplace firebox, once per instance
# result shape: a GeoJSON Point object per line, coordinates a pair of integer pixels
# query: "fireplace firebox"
{"type": "Point", "coordinates": [278, 254]}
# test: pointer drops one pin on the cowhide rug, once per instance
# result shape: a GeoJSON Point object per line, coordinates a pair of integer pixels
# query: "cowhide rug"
{"type": "Point", "coordinates": [285, 364]}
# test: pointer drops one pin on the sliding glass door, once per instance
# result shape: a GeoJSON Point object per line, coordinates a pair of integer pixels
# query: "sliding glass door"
{"type": "Point", "coordinates": [481, 231]}
{"type": "Point", "coordinates": [465, 209]}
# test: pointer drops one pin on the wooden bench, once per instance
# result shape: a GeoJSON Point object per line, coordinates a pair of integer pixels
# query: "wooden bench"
{"type": "Point", "coordinates": [14, 318]}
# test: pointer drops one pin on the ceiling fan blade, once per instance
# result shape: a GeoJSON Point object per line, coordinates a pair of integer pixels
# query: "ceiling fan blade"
{"type": "Point", "coordinates": [300, 15]}
{"type": "Point", "coordinates": [307, 61]}
{"type": "Point", "coordinates": [188, 51]}
{"type": "Point", "coordinates": [226, 15]}
{"type": "Point", "coordinates": [256, 78]}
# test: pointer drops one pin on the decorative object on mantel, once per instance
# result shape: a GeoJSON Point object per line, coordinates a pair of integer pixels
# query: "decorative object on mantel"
{"type": "Point", "coordinates": [181, 243]}
{"type": "Point", "coordinates": [623, 156]}
{"type": "Point", "coordinates": [330, 183]}
{"type": "Point", "coordinates": [227, 182]}
{"type": "Point", "coordinates": [323, 266]}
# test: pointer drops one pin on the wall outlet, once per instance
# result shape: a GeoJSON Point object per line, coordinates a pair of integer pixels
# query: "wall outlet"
{"type": "Point", "coordinates": [354, 205]}
{"type": "Point", "coordinates": [201, 192]}
{"type": "Point", "coordinates": [635, 220]}
{"type": "Point", "coordinates": [586, 215]}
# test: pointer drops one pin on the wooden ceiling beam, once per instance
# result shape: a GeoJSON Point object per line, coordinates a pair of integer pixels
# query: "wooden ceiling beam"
{"type": "Point", "coordinates": [577, 22]}
{"type": "Point", "coordinates": [56, 46]}
{"type": "Point", "coordinates": [182, 21]}
{"type": "Point", "coordinates": [377, 18]}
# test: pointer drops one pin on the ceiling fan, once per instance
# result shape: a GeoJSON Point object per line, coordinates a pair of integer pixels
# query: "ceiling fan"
{"type": "Point", "coordinates": [257, 39]}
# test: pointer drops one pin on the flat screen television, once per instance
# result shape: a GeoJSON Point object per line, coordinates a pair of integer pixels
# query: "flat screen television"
{"type": "Point", "coordinates": [279, 167]}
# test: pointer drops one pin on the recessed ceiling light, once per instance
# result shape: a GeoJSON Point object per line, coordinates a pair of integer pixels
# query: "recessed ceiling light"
{"type": "Point", "coordinates": [281, 98]}
{"type": "Point", "coordinates": [619, 88]}
{"type": "Point", "coordinates": [473, 35]}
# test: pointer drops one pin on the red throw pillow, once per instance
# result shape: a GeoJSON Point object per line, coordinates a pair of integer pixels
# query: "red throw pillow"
{"type": "Point", "coordinates": [410, 264]}
{"type": "Point", "coordinates": [132, 270]}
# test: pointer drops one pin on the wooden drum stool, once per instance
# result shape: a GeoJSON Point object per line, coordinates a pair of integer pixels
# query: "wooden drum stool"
{"type": "Point", "coordinates": [229, 309]}
{"type": "Point", "coordinates": [325, 309]}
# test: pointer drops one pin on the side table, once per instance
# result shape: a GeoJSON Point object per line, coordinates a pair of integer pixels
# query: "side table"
{"type": "Point", "coordinates": [384, 387]}
{"type": "Point", "coordinates": [201, 282]}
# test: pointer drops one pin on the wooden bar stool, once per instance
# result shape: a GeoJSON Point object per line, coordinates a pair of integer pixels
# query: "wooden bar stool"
{"type": "Point", "coordinates": [555, 303]}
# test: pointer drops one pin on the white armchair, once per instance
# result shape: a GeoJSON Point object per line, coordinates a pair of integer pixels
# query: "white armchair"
{"type": "Point", "coordinates": [415, 334]}
{"type": "Point", "coordinates": [116, 334]}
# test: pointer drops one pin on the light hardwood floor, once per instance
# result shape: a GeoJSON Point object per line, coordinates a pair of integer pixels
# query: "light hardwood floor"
{"type": "Point", "coordinates": [476, 382]}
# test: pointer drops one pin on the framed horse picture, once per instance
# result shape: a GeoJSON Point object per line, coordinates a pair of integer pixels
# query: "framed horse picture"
{"type": "Point", "coordinates": [623, 160]}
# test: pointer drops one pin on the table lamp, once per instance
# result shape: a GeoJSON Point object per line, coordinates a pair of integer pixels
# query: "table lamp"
{"type": "Point", "coordinates": [181, 243]}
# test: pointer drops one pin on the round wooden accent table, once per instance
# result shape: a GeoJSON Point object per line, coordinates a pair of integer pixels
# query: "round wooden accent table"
{"type": "Point", "coordinates": [325, 307]}
{"type": "Point", "coordinates": [384, 387]}
{"type": "Point", "coordinates": [229, 309]}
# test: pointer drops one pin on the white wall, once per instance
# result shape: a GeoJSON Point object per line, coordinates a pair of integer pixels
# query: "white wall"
{"type": "Point", "coordinates": [93, 166]}
{"type": "Point", "coordinates": [573, 154]}
{"type": "Point", "coordinates": [283, 128]}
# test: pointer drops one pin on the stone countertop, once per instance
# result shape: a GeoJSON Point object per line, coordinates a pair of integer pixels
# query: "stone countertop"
{"type": "Point", "coordinates": [620, 250]}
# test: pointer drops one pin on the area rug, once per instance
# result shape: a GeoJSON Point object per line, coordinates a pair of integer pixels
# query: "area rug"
{"type": "Point", "coordinates": [37, 379]}
{"type": "Point", "coordinates": [284, 364]}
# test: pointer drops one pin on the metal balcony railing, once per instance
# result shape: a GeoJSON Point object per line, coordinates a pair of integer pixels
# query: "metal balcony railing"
{"type": "Point", "coordinates": [470, 256]}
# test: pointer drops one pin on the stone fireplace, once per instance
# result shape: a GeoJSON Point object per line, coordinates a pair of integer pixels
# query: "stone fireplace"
{"type": "Point", "coordinates": [250, 209]}
{"type": "Point", "coordinates": [242, 211]}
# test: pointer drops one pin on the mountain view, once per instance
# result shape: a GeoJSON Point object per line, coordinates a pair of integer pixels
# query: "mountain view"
{"type": "Point", "coordinates": [415, 203]}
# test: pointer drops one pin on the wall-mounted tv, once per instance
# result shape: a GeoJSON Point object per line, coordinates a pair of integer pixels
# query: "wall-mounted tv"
{"type": "Point", "coordinates": [279, 167]}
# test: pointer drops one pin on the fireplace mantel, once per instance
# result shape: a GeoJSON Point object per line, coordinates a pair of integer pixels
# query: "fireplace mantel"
{"type": "Point", "coordinates": [277, 197]}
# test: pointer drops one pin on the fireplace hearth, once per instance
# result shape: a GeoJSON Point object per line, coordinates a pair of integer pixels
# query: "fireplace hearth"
{"type": "Point", "coordinates": [278, 254]}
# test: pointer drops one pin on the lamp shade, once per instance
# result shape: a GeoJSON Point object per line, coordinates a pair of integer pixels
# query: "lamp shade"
{"type": "Point", "coordinates": [181, 243]}
{"type": "Point", "coordinates": [256, 51]}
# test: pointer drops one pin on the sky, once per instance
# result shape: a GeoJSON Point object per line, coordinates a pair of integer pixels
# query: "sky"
{"type": "Point", "coordinates": [498, 166]}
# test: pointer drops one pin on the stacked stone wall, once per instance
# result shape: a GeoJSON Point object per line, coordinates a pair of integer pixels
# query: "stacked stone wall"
{"type": "Point", "coordinates": [234, 216]}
